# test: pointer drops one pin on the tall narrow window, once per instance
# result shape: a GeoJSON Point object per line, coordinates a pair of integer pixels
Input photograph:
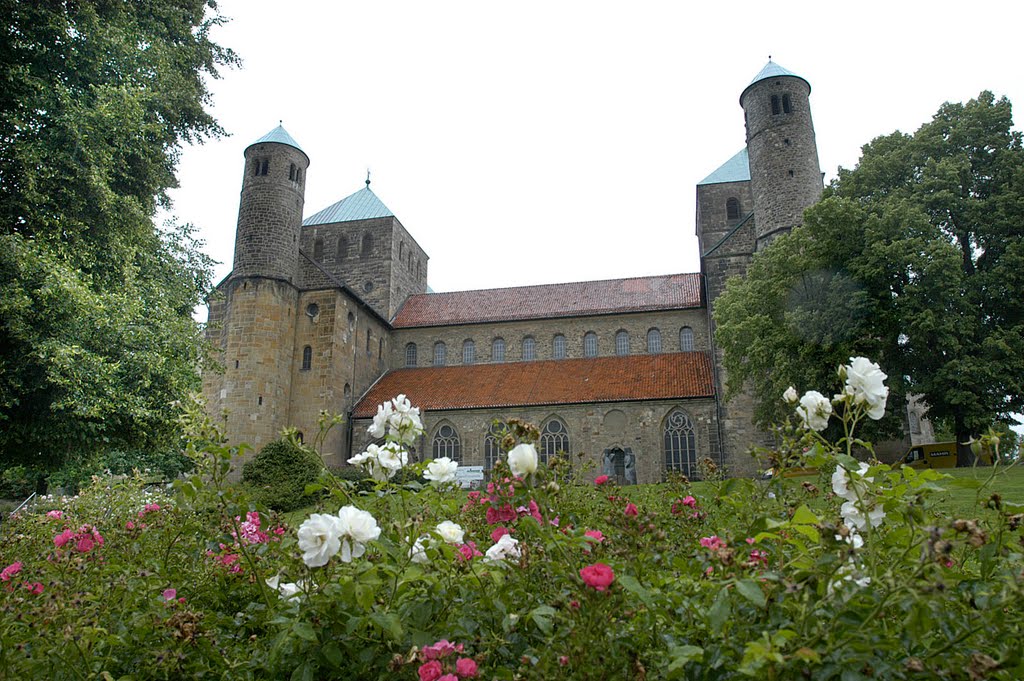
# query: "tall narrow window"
{"type": "Point", "coordinates": [775, 105]}
{"type": "Point", "coordinates": [401, 250]}
{"type": "Point", "coordinates": [554, 438]}
{"type": "Point", "coordinates": [590, 344]}
{"type": "Point", "coordinates": [558, 347]}
{"type": "Point", "coordinates": [529, 349]}
{"type": "Point", "coordinates": [318, 249]}
{"type": "Point", "coordinates": [410, 354]}
{"type": "Point", "coordinates": [680, 444]}
{"type": "Point", "coordinates": [291, 172]}
{"type": "Point", "coordinates": [498, 350]}
{"type": "Point", "coordinates": [342, 248]}
{"type": "Point", "coordinates": [446, 443]}
{"type": "Point", "coordinates": [492, 445]}
{"type": "Point", "coordinates": [622, 343]}
{"type": "Point", "coordinates": [468, 352]}
{"type": "Point", "coordinates": [686, 339]}
{"type": "Point", "coordinates": [298, 175]}
{"type": "Point", "coordinates": [256, 167]}
{"type": "Point", "coordinates": [380, 348]}
{"type": "Point", "coordinates": [786, 107]}
{"type": "Point", "coordinates": [732, 209]}
{"type": "Point", "coordinates": [307, 358]}
{"type": "Point", "coordinates": [653, 341]}
{"type": "Point", "coordinates": [440, 354]}
{"type": "Point", "coordinates": [367, 246]}
{"type": "Point", "coordinates": [367, 341]}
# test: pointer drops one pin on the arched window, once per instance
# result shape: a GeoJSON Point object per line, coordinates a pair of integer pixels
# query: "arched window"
{"type": "Point", "coordinates": [653, 341]}
{"type": "Point", "coordinates": [307, 358]}
{"type": "Point", "coordinates": [786, 105]}
{"type": "Point", "coordinates": [440, 354]}
{"type": "Point", "coordinates": [775, 105]}
{"type": "Point", "coordinates": [686, 339]}
{"type": "Point", "coordinates": [732, 209]}
{"type": "Point", "coordinates": [680, 444]}
{"type": "Point", "coordinates": [492, 445]}
{"type": "Point", "coordinates": [529, 349]}
{"type": "Point", "coordinates": [590, 344]}
{"type": "Point", "coordinates": [498, 350]}
{"type": "Point", "coordinates": [446, 443]}
{"type": "Point", "coordinates": [348, 392]}
{"type": "Point", "coordinates": [558, 347]}
{"type": "Point", "coordinates": [468, 351]}
{"type": "Point", "coordinates": [367, 245]}
{"type": "Point", "coordinates": [318, 249]}
{"type": "Point", "coordinates": [291, 172]}
{"type": "Point", "coordinates": [342, 248]}
{"type": "Point", "coordinates": [264, 167]}
{"type": "Point", "coordinates": [410, 354]}
{"type": "Point", "coordinates": [622, 342]}
{"type": "Point", "coordinates": [554, 438]}
{"type": "Point", "coordinates": [298, 175]}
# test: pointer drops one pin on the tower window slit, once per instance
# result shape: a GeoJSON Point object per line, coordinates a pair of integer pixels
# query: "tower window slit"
{"type": "Point", "coordinates": [775, 105]}
{"type": "Point", "coordinates": [786, 108]}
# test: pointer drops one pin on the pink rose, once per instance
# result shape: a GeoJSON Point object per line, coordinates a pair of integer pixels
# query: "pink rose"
{"type": "Point", "coordinates": [595, 535]}
{"type": "Point", "coordinates": [35, 587]}
{"type": "Point", "coordinates": [449, 677]}
{"type": "Point", "coordinates": [55, 514]}
{"type": "Point", "coordinates": [599, 576]}
{"type": "Point", "coordinates": [170, 594]}
{"type": "Point", "coordinates": [466, 667]}
{"type": "Point", "coordinates": [84, 544]}
{"type": "Point", "coordinates": [63, 538]}
{"type": "Point", "coordinates": [712, 543]}
{"type": "Point", "coordinates": [10, 571]}
{"type": "Point", "coordinates": [631, 509]}
{"type": "Point", "coordinates": [430, 671]}
{"type": "Point", "coordinates": [601, 479]}
{"type": "Point", "coordinates": [499, 532]}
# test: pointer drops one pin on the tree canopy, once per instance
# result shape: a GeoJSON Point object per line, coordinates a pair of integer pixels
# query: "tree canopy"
{"type": "Point", "coordinates": [96, 333]}
{"type": "Point", "coordinates": [915, 258]}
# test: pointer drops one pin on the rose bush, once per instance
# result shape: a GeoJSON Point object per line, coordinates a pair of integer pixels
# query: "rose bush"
{"type": "Point", "coordinates": [856, 575]}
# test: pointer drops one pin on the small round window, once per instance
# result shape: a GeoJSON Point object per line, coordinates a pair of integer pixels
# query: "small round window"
{"type": "Point", "coordinates": [368, 286]}
{"type": "Point", "coordinates": [312, 310]}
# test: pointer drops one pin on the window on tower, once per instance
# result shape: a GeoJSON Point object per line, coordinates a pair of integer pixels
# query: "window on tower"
{"type": "Point", "coordinates": [264, 167]}
{"type": "Point", "coordinates": [732, 209]}
{"type": "Point", "coordinates": [307, 358]}
{"type": "Point", "coordinates": [318, 249]}
{"type": "Point", "coordinates": [786, 107]}
{"type": "Point", "coordinates": [291, 172]}
{"type": "Point", "coordinates": [367, 246]}
{"type": "Point", "coordinates": [775, 105]}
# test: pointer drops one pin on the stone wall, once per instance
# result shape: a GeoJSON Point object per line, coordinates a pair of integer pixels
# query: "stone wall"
{"type": "Point", "coordinates": [592, 429]}
{"type": "Point", "coordinates": [543, 332]}
{"type": "Point", "coordinates": [374, 273]}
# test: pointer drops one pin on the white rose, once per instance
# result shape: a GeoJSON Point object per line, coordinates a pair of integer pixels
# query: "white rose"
{"type": "Point", "coordinates": [369, 460]}
{"type": "Point", "coordinates": [855, 517]}
{"type": "Point", "coordinates": [790, 396]}
{"type": "Point", "coordinates": [450, 532]}
{"type": "Point", "coordinates": [358, 527]}
{"type": "Point", "coordinates": [392, 457]}
{"type": "Point", "coordinates": [864, 380]}
{"type": "Point", "coordinates": [814, 409]}
{"type": "Point", "coordinates": [505, 548]}
{"type": "Point", "coordinates": [418, 552]}
{"type": "Point", "coordinates": [380, 421]}
{"type": "Point", "coordinates": [441, 470]}
{"type": "Point", "coordinates": [288, 590]}
{"type": "Point", "coordinates": [523, 460]}
{"type": "Point", "coordinates": [319, 539]}
{"type": "Point", "coordinates": [842, 485]}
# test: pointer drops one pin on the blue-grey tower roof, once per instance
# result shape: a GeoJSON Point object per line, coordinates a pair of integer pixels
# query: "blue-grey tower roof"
{"type": "Point", "coordinates": [363, 205]}
{"type": "Point", "coordinates": [281, 136]}
{"type": "Point", "coordinates": [771, 70]}
{"type": "Point", "coordinates": [736, 169]}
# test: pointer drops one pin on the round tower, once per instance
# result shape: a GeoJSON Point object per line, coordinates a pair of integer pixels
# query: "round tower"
{"type": "Point", "coordinates": [270, 211]}
{"type": "Point", "coordinates": [784, 173]}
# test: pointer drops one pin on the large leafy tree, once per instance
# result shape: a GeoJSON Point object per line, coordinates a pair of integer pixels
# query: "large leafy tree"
{"type": "Point", "coordinates": [915, 259]}
{"type": "Point", "coordinates": [96, 334]}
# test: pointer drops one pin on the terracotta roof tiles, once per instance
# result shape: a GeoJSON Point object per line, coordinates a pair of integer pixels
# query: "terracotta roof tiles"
{"type": "Point", "coordinates": [640, 294]}
{"type": "Point", "coordinates": [567, 381]}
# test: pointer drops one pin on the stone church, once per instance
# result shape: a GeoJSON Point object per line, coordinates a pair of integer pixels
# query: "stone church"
{"type": "Point", "coordinates": [332, 312]}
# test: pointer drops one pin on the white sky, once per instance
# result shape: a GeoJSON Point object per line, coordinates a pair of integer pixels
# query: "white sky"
{"type": "Point", "coordinates": [561, 140]}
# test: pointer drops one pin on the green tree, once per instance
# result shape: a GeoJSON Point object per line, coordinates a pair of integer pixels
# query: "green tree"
{"type": "Point", "coordinates": [915, 259]}
{"type": "Point", "coordinates": [96, 334]}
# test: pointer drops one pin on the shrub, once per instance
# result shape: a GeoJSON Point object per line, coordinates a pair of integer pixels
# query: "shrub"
{"type": "Point", "coordinates": [18, 482]}
{"type": "Point", "coordinates": [278, 475]}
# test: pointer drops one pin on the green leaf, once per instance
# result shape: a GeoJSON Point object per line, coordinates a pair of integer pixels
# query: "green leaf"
{"type": "Point", "coordinates": [388, 623]}
{"type": "Point", "coordinates": [630, 584]}
{"type": "Point", "coordinates": [682, 655]}
{"type": "Point", "coordinates": [541, 616]}
{"type": "Point", "coordinates": [303, 672]}
{"type": "Point", "coordinates": [804, 516]}
{"type": "Point", "coordinates": [719, 611]}
{"type": "Point", "coordinates": [333, 655]}
{"type": "Point", "coordinates": [752, 592]}
{"type": "Point", "coordinates": [304, 630]}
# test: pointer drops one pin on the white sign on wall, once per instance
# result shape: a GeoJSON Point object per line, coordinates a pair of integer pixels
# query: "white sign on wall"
{"type": "Point", "coordinates": [469, 476]}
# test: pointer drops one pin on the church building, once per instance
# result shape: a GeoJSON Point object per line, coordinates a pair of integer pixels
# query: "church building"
{"type": "Point", "coordinates": [332, 312]}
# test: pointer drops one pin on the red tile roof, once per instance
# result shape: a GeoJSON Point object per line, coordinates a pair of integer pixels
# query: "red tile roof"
{"type": "Point", "coordinates": [566, 381]}
{"type": "Point", "coordinates": [666, 292]}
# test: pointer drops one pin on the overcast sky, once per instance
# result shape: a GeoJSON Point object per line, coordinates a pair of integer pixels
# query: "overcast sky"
{"type": "Point", "coordinates": [539, 142]}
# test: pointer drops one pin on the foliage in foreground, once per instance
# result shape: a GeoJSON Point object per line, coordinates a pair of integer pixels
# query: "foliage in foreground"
{"type": "Point", "coordinates": [855, 577]}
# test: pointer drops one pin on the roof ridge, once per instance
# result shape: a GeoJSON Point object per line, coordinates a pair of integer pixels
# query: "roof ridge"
{"type": "Point", "coordinates": [562, 283]}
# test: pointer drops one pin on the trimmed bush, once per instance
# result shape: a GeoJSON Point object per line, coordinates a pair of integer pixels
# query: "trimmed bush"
{"type": "Point", "coordinates": [278, 475]}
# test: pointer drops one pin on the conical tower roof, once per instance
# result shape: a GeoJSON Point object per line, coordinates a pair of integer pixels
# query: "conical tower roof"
{"type": "Point", "coordinates": [280, 136]}
{"type": "Point", "coordinates": [771, 70]}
